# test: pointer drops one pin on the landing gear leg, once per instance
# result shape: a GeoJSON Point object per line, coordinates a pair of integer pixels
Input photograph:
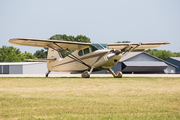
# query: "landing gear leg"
{"type": "Point", "coordinates": [117, 75]}
{"type": "Point", "coordinates": [86, 74]}
{"type": "Point", "coordinates": [47, 73]}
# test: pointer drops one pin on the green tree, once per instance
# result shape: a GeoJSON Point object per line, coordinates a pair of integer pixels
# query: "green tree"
{"type": "Point", "coordinates": [176, 54]}
{"type": "Point", "coordinates": [28, 55]}
{"type": "Point", "coordinates": [40, 53]}
{"type": "Point", "coordinates": [123, 42]}
{"type": "Point", "coordinates": [78, 38]}
{"type": "Point", "coordinates": [81, 38]}
{"type": "Point", "coordinates": [162, 54]}
{"type": "Point", "coordinates": [12, 54]}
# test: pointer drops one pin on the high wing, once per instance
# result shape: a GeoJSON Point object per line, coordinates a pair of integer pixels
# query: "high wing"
{"type": "Point", "coordinates": [124, 46]}
{"type": "Point", "coordinates": [49, 43]}
{"type": "Point", "coordinates": [81, 45]}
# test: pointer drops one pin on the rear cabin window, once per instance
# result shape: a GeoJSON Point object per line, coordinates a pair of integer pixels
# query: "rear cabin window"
{"type": "Point", "coordinates": [80, 53]}
{"type": "Point", "coordinates": [86, 51]}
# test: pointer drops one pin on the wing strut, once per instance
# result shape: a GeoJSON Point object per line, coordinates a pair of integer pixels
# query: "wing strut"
{"type": "Point", "coordinates": [129, 50]}
{"type": "Point", "coordinates": [72, 56]}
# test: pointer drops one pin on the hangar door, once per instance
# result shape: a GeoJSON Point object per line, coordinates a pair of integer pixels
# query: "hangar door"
{"type": "Point", "coordinates": [4, 69]}
{"type": "Point", "coordinates": [144, 67]}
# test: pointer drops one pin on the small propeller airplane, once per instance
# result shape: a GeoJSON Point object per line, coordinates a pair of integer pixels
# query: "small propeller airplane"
{"type": "Point", "coordinates": [86, 58]}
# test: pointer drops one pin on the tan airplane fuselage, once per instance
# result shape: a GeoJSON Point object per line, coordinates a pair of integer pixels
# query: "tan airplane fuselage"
{"type": "Point", "coordinates": [98, 59]}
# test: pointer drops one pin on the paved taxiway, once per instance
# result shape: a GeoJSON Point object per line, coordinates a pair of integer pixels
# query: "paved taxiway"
{"type": "Point", "coordinates": [92, 75]}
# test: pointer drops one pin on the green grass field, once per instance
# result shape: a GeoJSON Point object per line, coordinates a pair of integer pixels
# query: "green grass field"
{"type": "Point", "coordinates": [92, 98]}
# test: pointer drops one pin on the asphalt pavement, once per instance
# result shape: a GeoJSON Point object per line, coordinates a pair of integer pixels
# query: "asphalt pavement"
{"type": "Point", "coordinates": [92, 75]}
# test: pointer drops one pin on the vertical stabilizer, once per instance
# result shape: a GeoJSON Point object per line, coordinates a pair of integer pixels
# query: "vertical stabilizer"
{"type": "Point", "coordinates": [54, 54]}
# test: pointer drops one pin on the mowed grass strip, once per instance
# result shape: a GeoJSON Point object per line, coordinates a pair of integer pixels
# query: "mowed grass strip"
{"type": "Point", "coordinates": [92, 98]}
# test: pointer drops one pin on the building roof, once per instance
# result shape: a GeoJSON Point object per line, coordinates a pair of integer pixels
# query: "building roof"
{"type": "Point", "coordinates": [176, 58]}
{"type": "Point", "coordinates": [20, 63]}
{"type": "Point", "coordinates": [129, 55]}
{"type": "Point", "coordinates": [133, 54]}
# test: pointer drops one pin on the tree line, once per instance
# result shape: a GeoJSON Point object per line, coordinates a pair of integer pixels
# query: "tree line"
{"type": "Point", "coordinates": [12, 54]}
{"type": "Point", "coordinates": [162, 54]}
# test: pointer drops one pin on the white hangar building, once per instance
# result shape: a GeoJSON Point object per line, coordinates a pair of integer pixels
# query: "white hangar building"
{"type": "Point", "coordinates": [23, 68]}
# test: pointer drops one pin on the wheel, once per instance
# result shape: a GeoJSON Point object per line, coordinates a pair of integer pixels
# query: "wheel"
{"type": "Point", "coordinates": [85, 74]}
{"type": "Point", "coordinates": [119, 74]}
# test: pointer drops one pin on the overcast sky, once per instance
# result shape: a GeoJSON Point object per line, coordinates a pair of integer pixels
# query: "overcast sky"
{"type": "Point", "coordinates": [103, 21]}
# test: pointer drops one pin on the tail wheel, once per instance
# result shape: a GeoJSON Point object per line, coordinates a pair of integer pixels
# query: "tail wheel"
{"type": "Point", "coordinates": [119, 74]}
{"type": "Point", "coordinates": [85, 74]}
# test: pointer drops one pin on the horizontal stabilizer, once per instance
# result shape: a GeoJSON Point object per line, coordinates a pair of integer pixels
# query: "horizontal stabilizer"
{"type": "Point", "coordinates": [40, 59]}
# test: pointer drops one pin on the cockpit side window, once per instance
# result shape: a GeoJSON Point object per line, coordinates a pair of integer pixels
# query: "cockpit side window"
{"type": "Point", "coordinates": [80, 53]}
{"type": "Point", "coordinates": [86, 51]}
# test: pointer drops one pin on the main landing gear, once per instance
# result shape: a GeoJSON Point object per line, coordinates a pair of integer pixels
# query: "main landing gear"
{"type": "Point", "coordinates": [118, 74]}
{"type": "Point", "coordinates": [86, 74]}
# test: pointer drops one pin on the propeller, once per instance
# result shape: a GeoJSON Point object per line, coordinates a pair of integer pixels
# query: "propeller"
{"type": "Point", "coordinates": [113, 53]}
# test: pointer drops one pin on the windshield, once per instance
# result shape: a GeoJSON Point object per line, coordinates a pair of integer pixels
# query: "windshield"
{"type": "Point", "coordinates": [95, 47]}
{"type": "Point", "coordinates": [105, 46]}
